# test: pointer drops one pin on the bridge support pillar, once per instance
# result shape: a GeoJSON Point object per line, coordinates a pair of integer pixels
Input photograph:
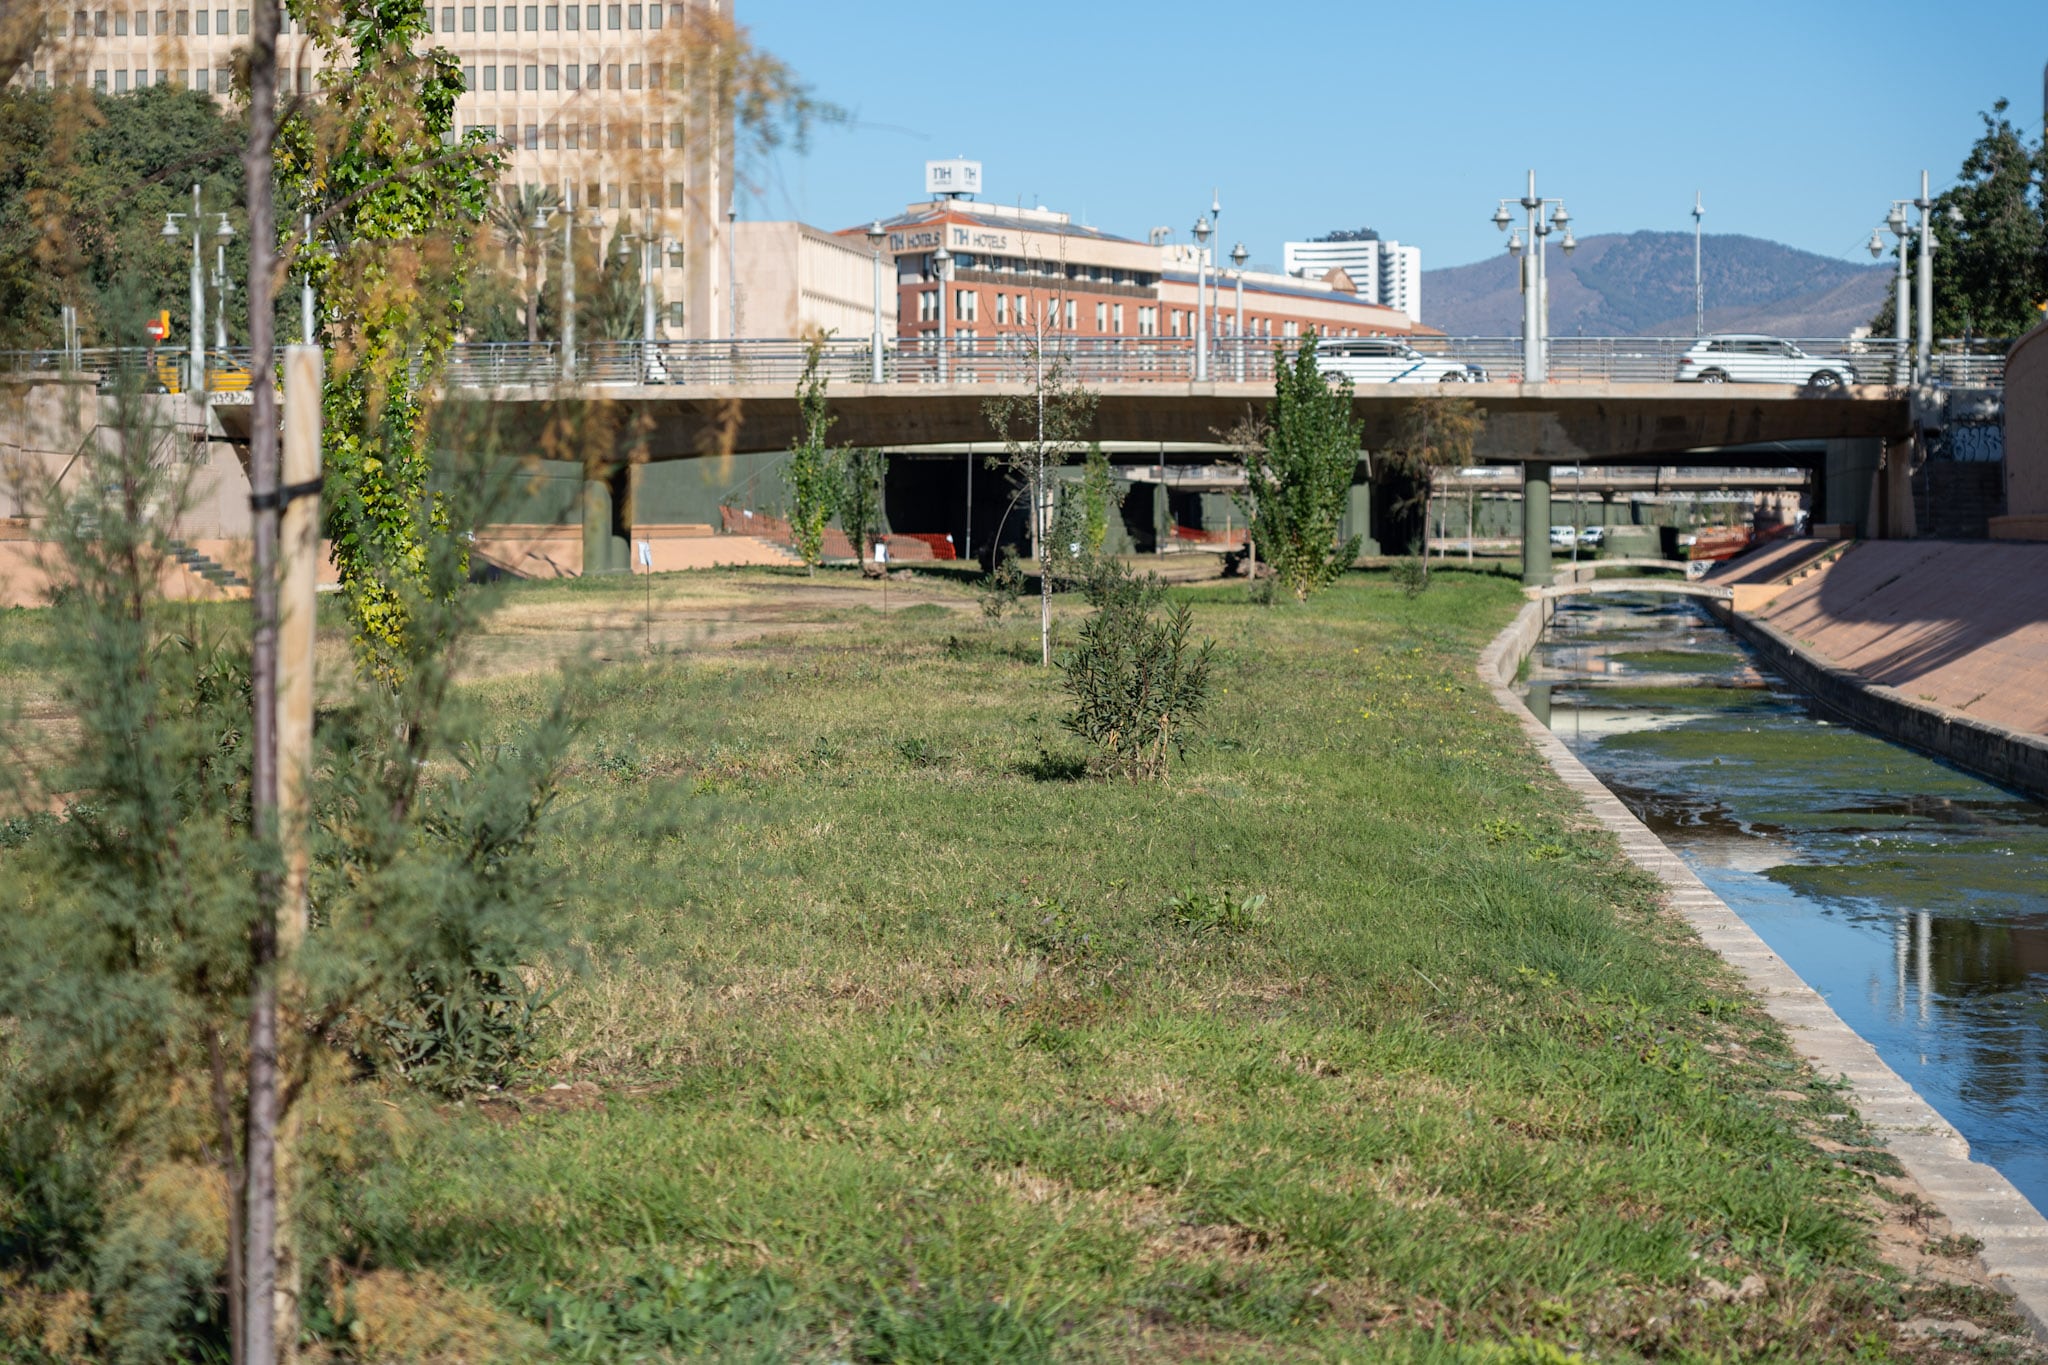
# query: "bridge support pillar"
{"type": "Point", "coordinates": [597, 527]}
{"type": "Point", "coordinates": [1536, 525]}
{"type": "Point", "coordinates": [1895, 519]}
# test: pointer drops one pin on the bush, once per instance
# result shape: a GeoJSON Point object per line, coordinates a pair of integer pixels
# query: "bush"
{"type": "Point", "coordinates": [1411, 573]}
{"type": "Point", "coordinates": [1137, 685]}
{"type": "Point", "coordinates": [1002, 587]}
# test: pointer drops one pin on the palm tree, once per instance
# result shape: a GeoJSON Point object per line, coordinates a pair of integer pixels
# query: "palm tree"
{"type": "Point", "coordinates": [521, 224]}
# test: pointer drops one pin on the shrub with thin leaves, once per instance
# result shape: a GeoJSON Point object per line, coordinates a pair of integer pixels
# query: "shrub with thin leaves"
{"type": "Point", "coordinates": [1137, 683]}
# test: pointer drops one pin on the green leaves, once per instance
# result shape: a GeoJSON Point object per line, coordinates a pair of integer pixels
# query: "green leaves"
{"type": "Point", "coordinates": [810, 470]}
{"type": "Point", "coordinates": [1299, 467]}
{"type": "Point", "coordinates": [1137, 685]}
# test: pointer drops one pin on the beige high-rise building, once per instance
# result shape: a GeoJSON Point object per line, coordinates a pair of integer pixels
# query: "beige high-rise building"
{"type": "Point", "coordinates": [591, 100]}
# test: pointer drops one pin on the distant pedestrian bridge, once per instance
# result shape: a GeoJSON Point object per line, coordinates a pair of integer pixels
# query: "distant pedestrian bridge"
{"type": "Point", "coordinates": [1599, 586]}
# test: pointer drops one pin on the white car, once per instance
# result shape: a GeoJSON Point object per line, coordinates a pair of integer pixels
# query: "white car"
{"type": "Point", "coordinates": [1735, 359]}
{"type": "Point", "coordinates": [1563, 537]}
{"type": "Point", "coordinates": [1595, 536]}
{"type": "Point", "coordinates": [1384, 360]}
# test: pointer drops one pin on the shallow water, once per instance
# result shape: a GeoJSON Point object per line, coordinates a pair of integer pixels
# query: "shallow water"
{"type": "Point", "coordinates": [1912, 895]}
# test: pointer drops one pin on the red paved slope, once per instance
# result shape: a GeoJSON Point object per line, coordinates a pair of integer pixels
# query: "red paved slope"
{"type": "Point", "coordinates": [1961, 623]}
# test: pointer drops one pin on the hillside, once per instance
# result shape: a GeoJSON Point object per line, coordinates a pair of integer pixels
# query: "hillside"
{"type": "Point", "coordinates": [1640, 284]}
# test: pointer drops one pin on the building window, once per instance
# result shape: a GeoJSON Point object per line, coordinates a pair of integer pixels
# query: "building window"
{"type": "Point", "coordinates": [201, 21]}
{"type": "Point", "coordinates": [633, 136]}
{"type": "Point", "coordinates": [612, 15]}
{"type": "Point", "coordinates": [590, 80]}
{"type": "Point", "coordinates": [533, 78]}
{"type": "Point", "coordinates": [533, 137]}
{"type": "Point", "coordinates": [590, 17]}
{"type": "Point", "coordinates": [163, 21]}
{"type": "Point", "coordinates": [1291, 331]}
{"type": "Point", "coordinates": [633, 76]}
{"type": "Point", "coordinates": [551, 138]}
{"type": "Point", "coordinates": [241, 21]}
{"type": "Point", "coordinates": [1102, 317]}
{"type": "Point", "coordinates": [675, 135]}
{"type": "Point", "coordinates": [614, 197]}
{"type": "Point", "coordinates": [511, 18]}
{"type": "Point", "coordinates": [120, 23]}
{"type": "Point", "coordinates": [469, 18]}
{"type": "Point", "coordinates": [654, 16]}
{"type": "Point", "coordinates": [927, 305]}
{"type": "Point", "coordinates": [1073, 315]}
{"type": "Point", "coordinates": [469, 78]}
{"type": "Point", "coordinates": [220, 22]}
{"type": "Point", "coordinates": [201, 77]}
{"type": "Point", "coordinates": [612, 75]}
{"type": "Point", "coordinates": [553, 78]}
{"type": "Point", "coordinates": [490, 18]}
{"type": "Point", "coordinates": [1148, 321]}
{"type": "Point", "coordinates": [632, 16]}
{"type": "Point", "coordinates": [184, 21]}
{"type": "Point", "coordinates": [675, 313]}
{"type": "Point", "coordinates": [551, 17]}
{"type": "Point", "coordinates": [99, 23]}
{"type": "Point", "coordinates": [1116, 319]}
{"type": "Point", "coordinates": [570, 133]}
{"type": "Point", "coordinates": [573, 18]}
{"type": "Point", "coordinates": [966, 305]}
{"type": "Point", "coordinates": [121, 82]}
{"type": "Point", "coordinates": [490, 78]}
{"type": "Point", "coordinates": [575, 76]}
{"type": "Point", "coordinates": [533, 18]}
{"type": "Point", "coordinates": [633, 195]}
{"type": "Point", "coordinates": [678, 195]}
{"type": "Point", "coordinates": [1002, 309]}
{"type": "Point", "coordinates": [654, 75]}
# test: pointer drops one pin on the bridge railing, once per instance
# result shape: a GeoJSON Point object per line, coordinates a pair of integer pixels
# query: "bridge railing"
{"type": "Point", "coordinates": [1093, 361]}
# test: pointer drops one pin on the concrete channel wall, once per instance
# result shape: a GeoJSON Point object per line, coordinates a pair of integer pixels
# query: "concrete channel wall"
{"type": "Point", "coordinates": [2011, 758]}
{"type": "Point", "coordinates": [1977, 1200]}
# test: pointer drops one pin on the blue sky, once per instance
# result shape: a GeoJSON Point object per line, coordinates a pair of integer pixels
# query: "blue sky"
{"type": "Point", "coordinates": [1798, 120]}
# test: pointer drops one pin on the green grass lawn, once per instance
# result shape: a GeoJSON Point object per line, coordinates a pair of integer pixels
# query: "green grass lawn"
{"type": "Point", "coordinates": [889, 1034]}
{"type": "Point", "coordinates": [887, 1043]}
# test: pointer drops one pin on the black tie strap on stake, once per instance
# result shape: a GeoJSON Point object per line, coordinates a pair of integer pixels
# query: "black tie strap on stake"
{"type": "Point", "coordinates": [283, 497]}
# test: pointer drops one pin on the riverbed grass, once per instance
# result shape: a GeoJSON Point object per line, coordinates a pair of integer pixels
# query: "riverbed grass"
{"type": "Point", "coordinates": [892, 1036]}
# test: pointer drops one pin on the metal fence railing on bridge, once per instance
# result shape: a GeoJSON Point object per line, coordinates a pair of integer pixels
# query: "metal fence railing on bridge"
{"type": "Point", "coordinates": [1012, 359]}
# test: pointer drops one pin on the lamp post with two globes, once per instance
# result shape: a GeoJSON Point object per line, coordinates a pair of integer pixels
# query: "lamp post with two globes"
{"type": "Point", "coordinates": [1535, 297]}
{"type": "Point", "coordinates": [196, 379]}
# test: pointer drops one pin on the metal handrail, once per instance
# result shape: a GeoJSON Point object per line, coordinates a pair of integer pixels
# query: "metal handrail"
{"type": "Point", "coordinates": [1008, 358]}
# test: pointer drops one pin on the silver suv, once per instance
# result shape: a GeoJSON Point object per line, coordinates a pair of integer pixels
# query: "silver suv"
{"type": "Point", "coordinates": [1734, 359]}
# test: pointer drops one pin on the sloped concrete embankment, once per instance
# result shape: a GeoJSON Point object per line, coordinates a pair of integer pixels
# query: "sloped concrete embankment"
{"type": "Point", "coordinates": [1938, 645]}
{"type": "Point", "coordinates": [1977, 1200]}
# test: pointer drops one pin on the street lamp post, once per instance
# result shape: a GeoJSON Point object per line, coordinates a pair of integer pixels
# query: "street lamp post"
{"type": "Point", "coordinates": [306, 288]}
{"type": "Point", "coordinates": [942, 270]}
{"type": "Point", "coordinates": [1535, 289]}
{"type": "Point", "coordinates": [732, 279]}
{"type": "Point", "coordinates": [1924, 347]}
{"type": "Point", "coordinates": [222, 285]}
{"type": "Point", "coordinates": [1699, 293]}
{"type": "Point", "coordinates": [1238, 256]}
{"type": "Point", "coordinates": [196, 378]}
{"type": "Point", "coordinates": [1201, 298]}
{"type": "Point", "coordinates": [1902, 311]}
{"type": "Point", "coordinates": [1215, 276]}
{"type": "Point", "coordinates": [876, 236]}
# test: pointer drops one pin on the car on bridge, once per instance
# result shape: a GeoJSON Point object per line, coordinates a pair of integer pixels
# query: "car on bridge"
{"type": "Point", "coordinates": [1743, 359]}
{"type": "Point", "coordinates": [1388, 360]}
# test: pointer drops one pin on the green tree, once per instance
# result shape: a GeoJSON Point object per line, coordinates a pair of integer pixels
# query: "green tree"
{"type": "Point", "coordinates": [1039, 429]}
{"type": "Point", "coordinates": [1437, 432]}
{"type": "Point", "coordinates": [400, 209]}
{"type": "Point", "coordinates": [809, 471]}
{"type": "Point", "coordinates": [521, 223]}
{"type": "Point", "coordinates": [1299, 464]}
{"type": "Point", "coordinates": [1100, 496]}
{"type": "Point", "coordinates": [1991, 267]}
{"type": "Point", "coordinates": [859, 497]}
{"type": "Point", "coordinates": [85, 182]}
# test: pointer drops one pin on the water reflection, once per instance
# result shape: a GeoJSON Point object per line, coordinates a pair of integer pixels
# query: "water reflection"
{"type": "Point", "coordinates": [1908, 893]}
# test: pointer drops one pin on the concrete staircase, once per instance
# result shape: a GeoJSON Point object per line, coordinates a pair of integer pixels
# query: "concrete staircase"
{"type": "Point", "coordinates": [207, 567]}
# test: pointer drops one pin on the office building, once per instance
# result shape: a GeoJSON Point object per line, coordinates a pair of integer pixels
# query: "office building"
{"type": "Point", "coordinates": [1382, 272]}
{"type": "Point", "coordinates": [588, 99]}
